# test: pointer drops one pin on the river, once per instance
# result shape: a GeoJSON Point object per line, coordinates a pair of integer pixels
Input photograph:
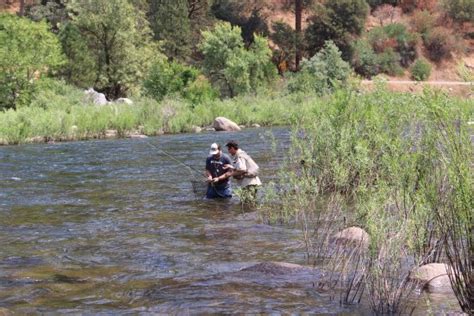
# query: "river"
{"type": "Point", "coordinates": [113, 227]}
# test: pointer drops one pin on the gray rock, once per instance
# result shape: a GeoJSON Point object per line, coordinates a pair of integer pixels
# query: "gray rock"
{"type": "Point", "coordinates": [95, 97]}
{"type": "Point", "coordinates": [255, 125]}
{"type": "Point", "coordinates": [224, 124]}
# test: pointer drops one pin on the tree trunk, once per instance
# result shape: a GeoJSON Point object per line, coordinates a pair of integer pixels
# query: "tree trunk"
{"type": "Point", "coordinates": [298, 18]}
{"type": "Point", "coordinates": [22, 8]}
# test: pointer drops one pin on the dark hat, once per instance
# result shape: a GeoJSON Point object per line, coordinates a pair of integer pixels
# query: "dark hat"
{"type": "Point", "coordinates": [232, 143]}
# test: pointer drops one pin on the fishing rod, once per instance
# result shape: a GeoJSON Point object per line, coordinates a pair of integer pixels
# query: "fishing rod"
{"type": "Point", "coordinates": [191, 169]}
{"type": "Point", "coordinates": [196, 184]}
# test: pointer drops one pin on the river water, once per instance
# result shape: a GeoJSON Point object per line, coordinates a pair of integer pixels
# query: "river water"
{"type": "Point", "coordinates": [113, 227]}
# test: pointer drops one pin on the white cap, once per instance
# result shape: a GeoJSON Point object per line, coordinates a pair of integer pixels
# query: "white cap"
{"type": "Point", "coordinates": [214, 149]}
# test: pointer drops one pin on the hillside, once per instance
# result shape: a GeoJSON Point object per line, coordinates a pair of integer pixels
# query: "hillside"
{"type": "Point", "coordinates": [455, 65]}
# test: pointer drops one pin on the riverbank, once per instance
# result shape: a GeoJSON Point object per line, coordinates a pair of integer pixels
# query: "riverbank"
{"type": "Point", "coordinates": [62, 115]}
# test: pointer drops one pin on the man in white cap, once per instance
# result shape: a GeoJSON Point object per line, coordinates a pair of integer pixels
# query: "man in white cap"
{"type": "Point", "coordinates": [218, 173]}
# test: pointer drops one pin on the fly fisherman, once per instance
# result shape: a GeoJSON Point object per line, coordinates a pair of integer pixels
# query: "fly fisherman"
{"type": "Point", "coordinates": [218, 173]}
{"type": "Point", "coordinates": [245, 172]}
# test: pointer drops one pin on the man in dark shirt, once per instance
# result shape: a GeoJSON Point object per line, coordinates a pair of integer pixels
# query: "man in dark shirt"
{"type": "Point", "coordinates": [218, 172]}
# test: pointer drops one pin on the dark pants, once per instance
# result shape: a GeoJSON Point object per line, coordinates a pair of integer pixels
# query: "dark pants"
{"type": "Point", "coordinates": [214, 192]}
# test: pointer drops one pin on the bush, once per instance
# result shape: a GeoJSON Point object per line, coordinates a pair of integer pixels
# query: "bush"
{"type": "Point", "coordinates": [440, 43]}
{"type": "Point", "coordinates": [406, 42]}
{"type": "Point", "coordinates": [410, 5]}
{"type": "Point", "coordinates": [460, 10]}
{"type": "Point", "coordinates": [364, 59]}
{"type": "Point", "coordinates": [232, 67]}
{"type": "Point", "coordinates": [389, 62]}
{"type": "Point", "coordinates": [421, 70]}
{"type": "Point", "coordinates": [376, 3]}
{"type": "Point", "coordinates": [322, 72]}
{"type": "Point", "coordinates": [168, 78]}
{"type": "Point", "coordinates": [423, 22]}
{"type": "Point", "coordinates": [28, 51]}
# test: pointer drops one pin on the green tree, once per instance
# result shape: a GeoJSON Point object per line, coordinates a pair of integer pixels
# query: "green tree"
{"type": "Point", "coordinates": [167, 78]}
{"type": "Point", "coordinates": [171, 25]}
{"type": "Point", "coordinates": [340, 21]}
{"type": "Point", "coordinates": [28, 51]}
{"type": "Point", "coordinates": [232, 67]}
{"type": "Point", "coordinates": [322, 72]}
{"type": "Point", "coordinates": [118, 38]}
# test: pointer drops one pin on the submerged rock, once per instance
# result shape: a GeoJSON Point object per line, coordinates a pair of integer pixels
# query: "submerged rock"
{"type": "Point", "coordinates": [224, 124]}
{"type": "Point", "coordinates": [433, 277]}
{"type": "Point", "coordinates": [275, 268]}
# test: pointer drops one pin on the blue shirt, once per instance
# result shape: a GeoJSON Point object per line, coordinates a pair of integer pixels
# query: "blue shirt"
{"type": "Point", "coordinates": [216, 168]}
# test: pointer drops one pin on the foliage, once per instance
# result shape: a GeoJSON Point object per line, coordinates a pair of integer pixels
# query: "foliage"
{"type": "Point", "coordinates": [375, 3]}
{"type": "Point", "coordinates": [337, 21]}
{"type": "Point", "coordinates": [423, 22]}
{"type": "Point", "coordinates": [118, 39]}
{"type": "Point", "coordinates": [387, 161]}
{"type": "Point", "coordinates": [322, 72]}
{"type": "Point", "coordinates": [284, 38]}
{"type": "Point", "coordinates": [364, 59]}
{"type": "Point", "coordinates": [168, 78]}
{"type": "Point", "coordinates": [170, 24]}
{"type": "Point", "coordinates": [231, 67]}
{"type": "Point", "coordinates": [246, 15]}
{"type": "Point", "coordinates": [420, 70]}
{"type": "Point", "coordinates": [460, 10]}
{"type": "Point", "coordinates": [440, 43]}
{"type": "Point", "coordinates": [79, 67]}
{"type": "Point", "coordinates": [28, 51]}
{"type": "Point", "coordinates": [53, 11]}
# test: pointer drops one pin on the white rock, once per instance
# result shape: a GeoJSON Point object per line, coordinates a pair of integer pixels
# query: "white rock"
{"type": "Point", "coordinates": [196, 129]}
{"type": "Point", "coordinates": [124, 100]}
{"type": "Point", "coordinates": [95, 97]}
{"type": "Point", "coordinates": [255, 125]}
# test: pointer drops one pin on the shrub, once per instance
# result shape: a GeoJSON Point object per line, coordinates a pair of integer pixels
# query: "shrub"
{"type": "Point", "coordinates": [423, 22]}
{"type": "Point", "coordinates": [460, 10]}
{"type": "Point", "coordinates": [389, 62]}
{"type": "Point", "coordinates": [406, 42]}
{"type": "Point", "coordinates": [421, 70]}
{"type": "Point", "coordinates": [364, 59]}
{"type": "Point", "coordinates": [440, 43]}
{"type": "Point", "coordinates": [168, 78]}
{"type": "Point", "coordinates": [375, 3]}
{"type": "Point", "coordinates": [410, 5]}
{"type": "Point", "coordinates": [230, 66]}
{"type": "Point", "coordinates": [323, 71]}
{"type": "Point", "coordinates": [28, 51]}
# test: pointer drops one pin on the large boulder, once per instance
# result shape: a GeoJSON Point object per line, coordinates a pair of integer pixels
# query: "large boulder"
{"type": "Point", "coordinates": [95, 97]}
{"type": "Point", "coordinates": [224, 124]}
{"type": "Point", "coordinates": [352, 235]}
{"type": "Point", "coordinates": [433, 277]}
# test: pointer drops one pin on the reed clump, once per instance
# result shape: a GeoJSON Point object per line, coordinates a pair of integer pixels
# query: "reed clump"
{"type": "Point", "coordinates": [400, 167]}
